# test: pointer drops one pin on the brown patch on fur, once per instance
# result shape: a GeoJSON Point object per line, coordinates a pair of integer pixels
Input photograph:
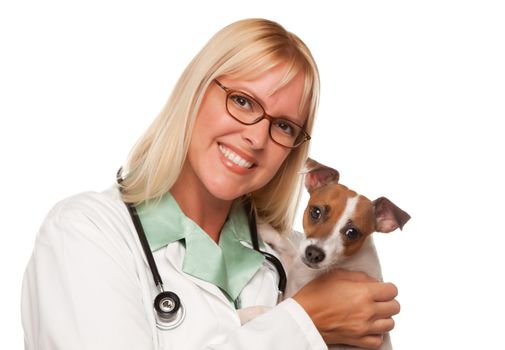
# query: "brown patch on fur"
{"type": "Point", "coordinates": [363, 219]}
{"type": "Point", "coordinates": [332, 199]}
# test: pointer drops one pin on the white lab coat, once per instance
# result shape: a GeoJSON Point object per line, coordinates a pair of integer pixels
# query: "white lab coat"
{"type": "Point", "coordinates": [88, 286]}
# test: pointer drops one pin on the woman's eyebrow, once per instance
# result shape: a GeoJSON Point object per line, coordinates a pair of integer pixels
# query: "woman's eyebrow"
{"type": "Point", "coordinates": [251, 94]}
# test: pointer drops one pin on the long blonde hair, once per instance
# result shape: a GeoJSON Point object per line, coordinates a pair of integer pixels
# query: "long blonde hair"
{"type": "Point", "coordinates": [244, 49]}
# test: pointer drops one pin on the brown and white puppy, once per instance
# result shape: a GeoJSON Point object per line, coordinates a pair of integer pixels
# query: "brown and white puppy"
{"type": "Point", "coordinates": [338, 225]}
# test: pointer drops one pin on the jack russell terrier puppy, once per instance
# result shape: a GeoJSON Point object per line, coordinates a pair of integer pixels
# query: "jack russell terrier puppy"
{"type": "Point", "coordinates": [338, 224]}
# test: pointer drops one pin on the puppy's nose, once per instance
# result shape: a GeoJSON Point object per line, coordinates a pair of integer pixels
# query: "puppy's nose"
{"type": "Point", "coordinates": [314, 254]}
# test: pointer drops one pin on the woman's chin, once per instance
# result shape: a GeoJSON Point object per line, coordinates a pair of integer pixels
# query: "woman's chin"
{"type": "Point", "coordinates": [226, 194]}
{"type": "Point", "coordinates": [225, 191]}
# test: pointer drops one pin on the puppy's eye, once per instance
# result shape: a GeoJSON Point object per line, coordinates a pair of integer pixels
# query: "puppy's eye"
{"type": "Point", "coordinates": [315, 213]}
{"type": "Point", "coordinates": [351, 234]}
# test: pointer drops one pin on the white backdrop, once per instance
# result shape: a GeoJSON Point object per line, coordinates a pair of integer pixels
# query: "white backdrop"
{"type": "Point", "coordinates": [412, 97]}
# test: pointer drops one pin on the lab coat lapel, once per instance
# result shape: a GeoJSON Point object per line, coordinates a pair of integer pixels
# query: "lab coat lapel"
{"type": "Point", "coordinates": [174, 253]}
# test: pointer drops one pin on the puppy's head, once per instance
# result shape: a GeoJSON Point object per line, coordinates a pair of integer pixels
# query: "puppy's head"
{"type": "Point", "coordinates": [337, 220]}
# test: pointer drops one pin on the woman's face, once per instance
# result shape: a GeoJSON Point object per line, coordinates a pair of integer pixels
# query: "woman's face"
{"type": "Point", "coordinates": [228, 159]}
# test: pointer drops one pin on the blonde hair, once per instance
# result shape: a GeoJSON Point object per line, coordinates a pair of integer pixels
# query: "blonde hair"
{"type": "Point", "coordinates": [244, 49]}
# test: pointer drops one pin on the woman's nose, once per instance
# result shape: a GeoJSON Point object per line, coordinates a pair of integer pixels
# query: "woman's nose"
{"type": "Point", "coordinates": [257, 135]}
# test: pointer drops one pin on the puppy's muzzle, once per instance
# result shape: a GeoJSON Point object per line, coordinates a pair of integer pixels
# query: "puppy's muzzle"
{"type": "Point", "coordinates": [314, 254]}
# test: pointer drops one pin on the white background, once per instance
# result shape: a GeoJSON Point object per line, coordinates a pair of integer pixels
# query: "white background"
{"type": "Point", "coordinates": [412, 97]}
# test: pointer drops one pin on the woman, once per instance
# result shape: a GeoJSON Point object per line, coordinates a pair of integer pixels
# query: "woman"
{"type": "Point", "coordinates": [234, 131]}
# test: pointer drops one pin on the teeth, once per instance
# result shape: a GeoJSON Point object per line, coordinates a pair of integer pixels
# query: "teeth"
{"type": "Point", "coordinates": [235, 158]}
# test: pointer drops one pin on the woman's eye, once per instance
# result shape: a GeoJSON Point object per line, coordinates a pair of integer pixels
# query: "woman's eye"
{"type": "Point", "coordinates": [241, 101]}
{"type": "Point", "coordinates": [285, 127]}
{"type": "Point", "coordinates": [315, 213]}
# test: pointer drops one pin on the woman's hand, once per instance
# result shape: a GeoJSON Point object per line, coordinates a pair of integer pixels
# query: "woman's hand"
{"type": "Point", "coordinates": [350, 307]}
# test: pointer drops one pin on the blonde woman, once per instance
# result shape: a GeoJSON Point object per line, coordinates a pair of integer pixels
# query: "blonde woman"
{"type": "Point", "coordinates": [233, 134]}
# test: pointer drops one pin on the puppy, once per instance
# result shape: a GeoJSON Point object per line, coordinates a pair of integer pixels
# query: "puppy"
{"type": "Point", "coordinates": [338, 225]}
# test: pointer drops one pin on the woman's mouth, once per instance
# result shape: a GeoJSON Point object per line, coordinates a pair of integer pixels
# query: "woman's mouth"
{"type": "Point", "coordinates": [235, 158]}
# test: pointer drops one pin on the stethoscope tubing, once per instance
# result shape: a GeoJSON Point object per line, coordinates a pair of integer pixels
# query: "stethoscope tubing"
{"type": "Point", "coordinates": [253, 228]}
{"type": "Point", "coordinates": [145, 246]}
{"type": "Point", "coordinates": [167, 300]}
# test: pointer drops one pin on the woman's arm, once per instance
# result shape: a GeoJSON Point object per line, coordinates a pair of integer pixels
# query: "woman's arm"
{"type": "Point", "coordinates": [350, 307]}
{"type": "Point", "coordinates": [286, 326]}
{"type": "Point", "coordinates": [82, 291]}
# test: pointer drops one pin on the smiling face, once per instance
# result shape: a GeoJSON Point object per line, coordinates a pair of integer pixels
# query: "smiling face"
{"type": "Point", "coordinates": [227, 159]}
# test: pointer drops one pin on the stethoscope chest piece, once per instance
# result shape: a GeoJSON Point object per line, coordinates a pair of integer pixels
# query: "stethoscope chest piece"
{"type": "Point", "coordinates": [169, 310]}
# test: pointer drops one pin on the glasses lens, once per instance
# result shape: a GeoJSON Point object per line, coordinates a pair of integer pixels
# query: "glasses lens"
{"type": "Point", "coordinates": [285, 132]}
{"type": "Point", "coordinates": [244, 108]}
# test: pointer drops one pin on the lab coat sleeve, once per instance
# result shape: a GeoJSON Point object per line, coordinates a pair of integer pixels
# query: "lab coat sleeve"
{"type": "Point", "coordinates": [82, 290]}
{"type": "Point", "coordinates": [78, 281]}
{"type": "Point", "coordinates": [287, 326]}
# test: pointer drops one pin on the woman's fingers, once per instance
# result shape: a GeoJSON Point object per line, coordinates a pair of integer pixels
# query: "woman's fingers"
{"type": "Point", "coordinates": [386, 309]}
{"type": "Point", "coordinates": [370, 342]}
{"type": "Point", "coordinates": [367, 342]}
{"type": "Point", "coordinates": [382, 326]}
{"type": "Point", "coordinates": [384, 291]}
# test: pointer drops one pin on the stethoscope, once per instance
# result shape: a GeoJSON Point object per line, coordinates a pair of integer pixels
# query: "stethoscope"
{"type": "Point", "coordinates": [169, 309]}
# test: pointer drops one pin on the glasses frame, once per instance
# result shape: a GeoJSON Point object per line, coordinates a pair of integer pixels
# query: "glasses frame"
{"type": "Point", "coordinates": [305, 134]}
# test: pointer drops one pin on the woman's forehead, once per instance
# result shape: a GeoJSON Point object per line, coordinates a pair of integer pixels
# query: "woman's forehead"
{"type": "Point", "coordinates": [264, 84]}
{"type": "Point", "coordinates": [285, 69]}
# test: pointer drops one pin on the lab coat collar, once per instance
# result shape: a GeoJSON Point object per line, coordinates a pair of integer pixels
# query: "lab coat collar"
{"type": "Point", "coordinates": [229, 265]}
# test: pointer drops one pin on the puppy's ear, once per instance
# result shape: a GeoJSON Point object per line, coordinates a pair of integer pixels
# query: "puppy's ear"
{"type": "Point", "coordinates": [388, 217]}
{"type": "Point", "coordinates": [318, 175]}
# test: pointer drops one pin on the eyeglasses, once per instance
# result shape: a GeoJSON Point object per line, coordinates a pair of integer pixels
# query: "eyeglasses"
{"type": "Point", "coordinates": [246, 110]}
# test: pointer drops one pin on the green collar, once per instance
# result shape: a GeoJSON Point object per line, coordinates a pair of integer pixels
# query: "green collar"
{"type": "Point", "coordinates": [229, 265]}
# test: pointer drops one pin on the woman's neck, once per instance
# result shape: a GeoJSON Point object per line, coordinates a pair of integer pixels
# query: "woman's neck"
{"type": "Point", "coordinates": [198, 204]}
